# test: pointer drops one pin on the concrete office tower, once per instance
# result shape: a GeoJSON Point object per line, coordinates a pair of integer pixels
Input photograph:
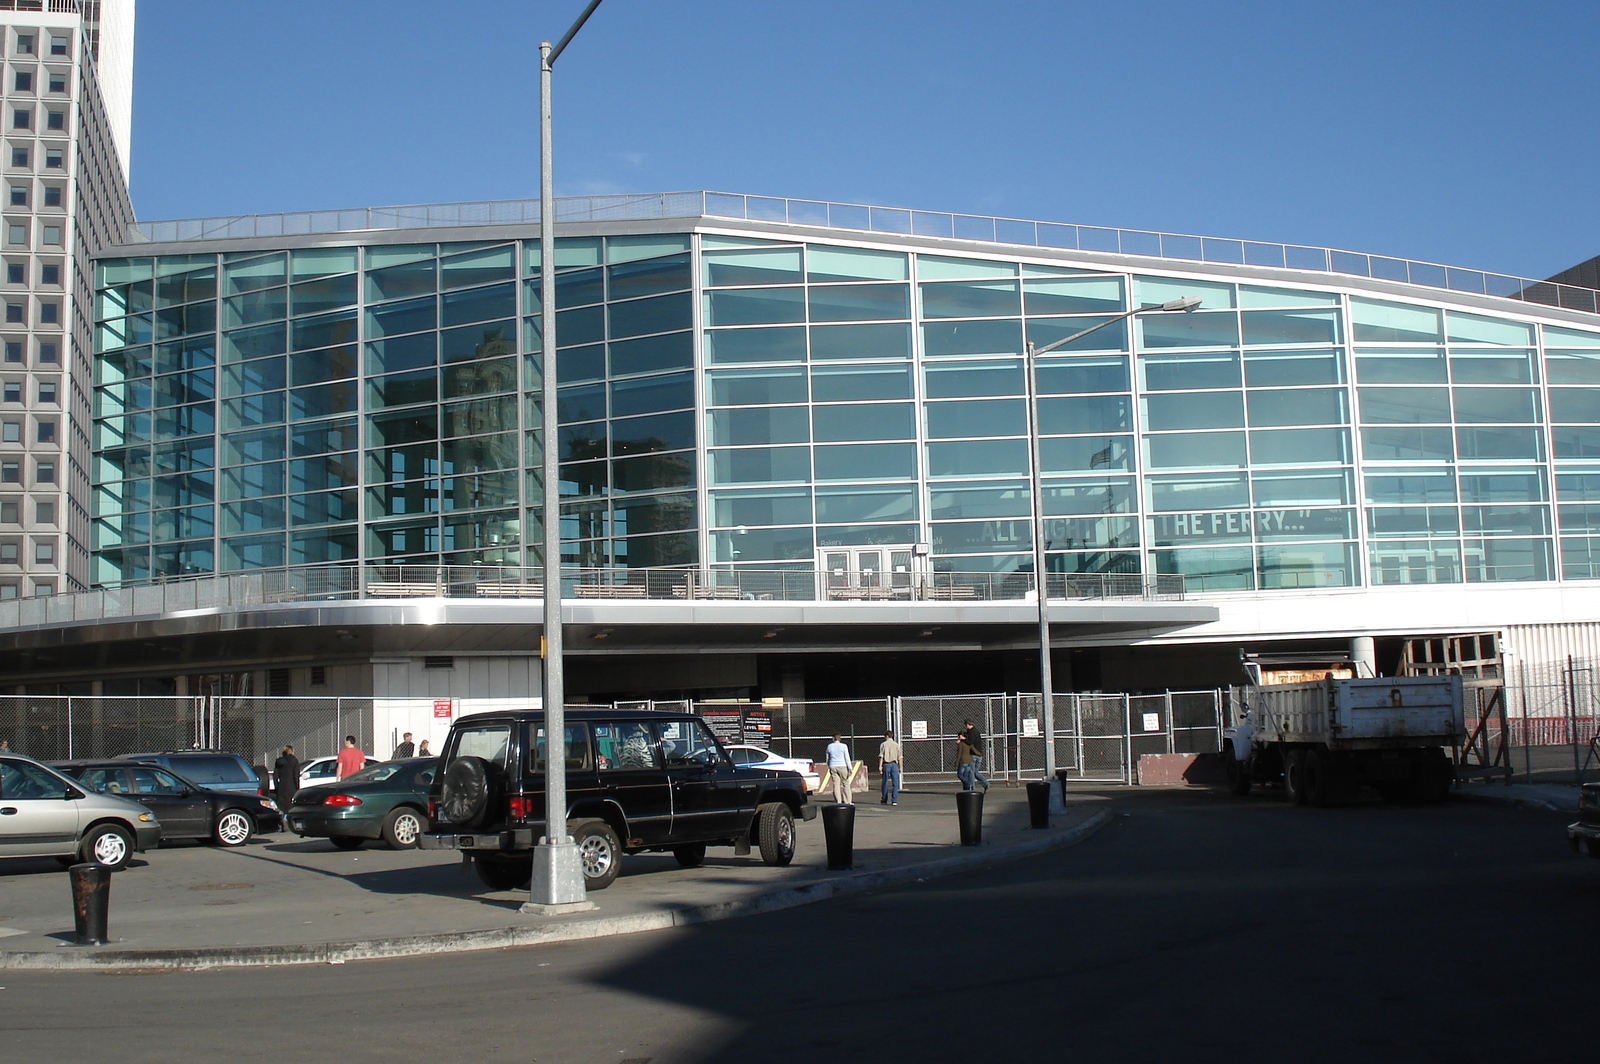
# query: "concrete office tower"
{"type": "Point", "coordinates": [65, 198]}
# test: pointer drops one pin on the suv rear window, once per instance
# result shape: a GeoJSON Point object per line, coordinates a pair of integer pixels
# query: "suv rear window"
{"type": "Point", "coordinates": [490, 742]}
{"type": "Point", "coordinates": [204, 769]}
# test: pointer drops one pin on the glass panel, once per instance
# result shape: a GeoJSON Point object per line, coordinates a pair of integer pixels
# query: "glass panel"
{"type": "Point", "coordinates": [762, 544]}
{"type": "Point", "coordinates": [757, 425]}
{"type": "Point", "coordinates": [1301, 487]}
{"type": "Point", "coordinates": [1580, 559]}
{"type": "Point", "coordinates": [1554, 337]}
{"type": "Point", "coordinates": [1210, 410]}
{"type": "Point", "coordinates": [825, 263]}
{"type": "Point", "coordinates": [956, 501]}
{"type": "Point", "coordinates": [1074, 453]}
{"type": "Point", "coordinates": [1580, 405]}
{"type": "Point", "coordinates": [1300, 406]}
{"type": "Point", "coordinates": [1415, 562]}
{"type": "Point", "coordinates": [483, 304]}
{"type": "Point", "coordinates": [653, 513]}
{"type": "Point", "coordinates": [1503, 560]}
{"type": "Point", "coordinates": [755, 306]}
{"type": "Point", "coordinates": [650, 394]}
{"type": "Point", "coordinates": [1492, 367]}
{"type": "Point", "coordinates": [936, 267]}
{"type": "Point", "coordinates": [1291, 327]}
{"type": "Point", "coordinates": [1419, 366]}
{"type": "Point", "coordinates": [1210, 569]}
{"type": "Point", "coordinates": [1190, 372]}
{"type": "Point", "coordinates": [842, 383]}
{"type": "Point", "coordinates": [1408, 444]}
{"type": "Point", "coordinates": [985, 536]}
{"type": "Point", "coordinates": [1188, 450]}
{"type": "Point", "coordinates": [760, 464]}
{"type": "Point", "coordinates": [652, 354]}
{"type": "Point", "coordinates": [1114, 495]}
{"type": "Point", "coordinates": [1192, 330]}
{"type": "Point", "coordinates": [1479, 405]}
{"type": "Point", "coordinates": [1500, 444]}
{"type": "Point", "coordinates": [314, 297]}
{"type": "Point", "coordinates": [633, 248]}
{"type": "Point", "coordinates": [866, 461]}
{"type": "Point", "coordinates": [786, 344]}
{"type": "Point", "coordinates": [638, 317]}
{"type": "Point", "coordinates": [250, 274]}
{"type": "Point", "coordinates": [1095, 374]}
{"type": "Point", "coordinates": [964, 379]}
{"type": "Point", "coordinates": [1394, 322]}
{"type": "Point", "coordinates": [970, 299]}
{"type": "Point", "coordinates": [756, 387]}
{"type": "Point", "coordinates": [1148, 291]}
{"type": "Point", "coordinates": [972, 338]}
{"type": "Point", "coordinates": [1072, 295]}
{"type": "Point", "coordinates": [771, 506]}
{"type": "Point", "coordinates": [978, 417]}
{"type": "Point", "coordinates": [1207, 491]}
{"type": "Point", "coordinates": [397, 282]}
{"type": "Point", "coordinates": [647, 277]}
{"type": "Point", "coordinates": [864, 504]}
{"type": "Point", "coordinates": [1474, 329]}
{"type": "Point", "coordinates": [860, 302]}
{"type": "Point", "coordinates": [478, 267]}
{"type": "Point", "coordinates": [1252, 296]}
{"type": "Point", "coordinates": [1265, 369]}
{"type": "Point", "coordinates": [653, 472]}
{"type": "Point", "coordinates": [751, 266]}
{"type": "Point", "coordinates": [1093, 334]}
{"type": "Point", "coordinates": [863, 421]}
{"type": "Point", "coordinates": [407, 352]}
{"type": "Point", "coordinates": [1506, 520]}
{"type": "Point", "coordinates": [1309, 565]}
{"type": "Point", "coordinates": [1413, 521]}
{"type": "Point", "coordinates": [1184, 529]}
{"type": "Point", "coordinates": [860, 341]}
{"type": "Point", "coordinates": [252, 307]}
{"type": "Point", "coordinates": [1573, 367]}
{"type": "Point", "coordinates": [1395, 406]}
{"type": "Point", "coordinates": [969, 458]}
{"type": "Point", "coordinates": [1512, 486]}
{"type": "Point", "coordinates": [1410, 486]}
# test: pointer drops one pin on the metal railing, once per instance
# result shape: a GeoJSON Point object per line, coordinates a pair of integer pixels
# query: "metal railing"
{"type": "Point", "coordinates": [869, 219]}
{"type": "Point", "coordinates": [500, 583]}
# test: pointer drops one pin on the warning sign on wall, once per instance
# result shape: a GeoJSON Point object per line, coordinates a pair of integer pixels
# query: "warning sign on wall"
{"type": "Point", "coordinates": [443, 708]}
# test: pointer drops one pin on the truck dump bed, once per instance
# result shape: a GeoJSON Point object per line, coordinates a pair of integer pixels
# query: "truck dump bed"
{"type": "Point", "coordinates": [1361, 714]}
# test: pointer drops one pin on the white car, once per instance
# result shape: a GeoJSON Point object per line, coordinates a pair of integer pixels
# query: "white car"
{"type": "Point", "coordinates": [323, 770]}
{"type": "Point", "coordinates": [756, 757]}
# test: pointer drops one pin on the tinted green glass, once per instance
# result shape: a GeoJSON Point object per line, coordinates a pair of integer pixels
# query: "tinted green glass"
{"type": "Point", "coordinates": [340, 328]}
{"type": "Point", "coordinates": [476, 454]}
{"type": "Point", "coordinates": [1081, 453]}
{"type": "Point", "coordinates": [1279, 447]}
{"type": "Point", "coordinates": [653, 513]}
{"type": "Point", "coordinates": [755, 306]}
{"type": "Point", "coordinates": [481, 304]}
{"type": "Point", "coordinates": [576, 364]}
{"type": "Point", "coordinates": [178, 321]}
{"type": "Point", "coordinates": [1190, 372]}
{"type": "Point", "coordinates": [649, 394]}
{"type": "Point", "coordinates": [977, 417]}
{"type": "Point", "coordinates": [1211, 410]}
{"type": "Point", "coordinates": [1424, 365]}
{"type": "Point", "coordinates": [751, 266]}
{"type": "Point", "coordinates": [970, 458]}
{"type": "Point", "coordinates": [863, 421]}
{"type": "Point", "coordinates": [320, 508]}
{"type": "Point", "coordinates": [866, 461]}
{"type": "Point", "coordinates": [1397, 406]}
{"type": "Point", "coordinates": [261, 409]}
{"type": "Point", "coordinates": [1480, 405]}
{"type": "Point", "coordinates": [257, 375]}
{"type": "Point", "coordinates": [1265, 369]}
{"type": "Point", "coordinates": [581, 403]}
{"type": "Point", "coordinates": [253, 481]}
{"type": "Point", "coordinates": [1476, 329]}
{"type": "Point", "coordinates": [651, 354]}
{"type": "Point", "coordinates": [411, 426]}
{"type": "Point", "coordinates": [1198, 491]}
{"type": "Point", "coordinates": [1500, 444]}
{"type": "Point", "coordinates": [758, 425]}
{"type": "Point", "coordinates": [484, 340]}
{"type": "Point", "coordinates": [1493, 367]}
{"type": "Point", "coordinates": [1214, 295]}
{"type": "Point", "coordinates": [1408, 444]}
{"type": "Point", "coordinates": [255, 552]}
{"type": "Point", "coordinates": [478, 378]}
{"type": "Point", "coordinates": [860, 341]}
{"type": "Point", "coordinates": [1186, 450]}
{"type": "Point", "coordinates": [1413, 486]}
{"type": "Point", "coordinates": [825, 263]}
{"type": "Point", "coordinates": [1503, 560]}
{"type": "Point", "coordinates": [760, 465]}
{"type": "Point", "coordinates": [784, 344]}
{"type": "Point", "coordinates": [756, 387]}
{"type": "Point", "coordinates": [654, 432]}
{"type": "Point", "coordinates": [960, 380]}
{"type": "Point", "coordinates": [1569, 443]}
{"type": "Point", "coordinates": [871, 503]}
{"type": "Point", "coordinates": [658, 314]}
{"type": "Point", "coordinates": [328, 293]}
{"type": "Point", "coordinates": [1391, 322]}
{"type": "Point", "coordinates": [176, 280]}
{"type": "Point", "coordinates": [766, 506]}
{"type": "Point", "coordinates": [1506, 520]}
{"type": "Point", "coordinates": [1072, 295]}
{"type": "Point", "coordinates": [970, 299]}
{"type": "Point", "coordinates": [321, 400]}
{"type": "Point", "coordinates": [859, 302]}
{"type": "Point", "coordinates": [1301, 487]}
{"type": "Point", "coordinates": [972, 338]}
{"type": "Point", "coordinates": [1097, 374]}
{"type": "Point", "coordinates": [962, 537]}
{"type": "Point", "coordinates": [476, 416]}
{"type": "Point", "coordinates": [1573, 367]}
{"type": "Point", "coordinates": [319, 262]}
{"type": "Point", "coordinates": [1210, 569]}
{"type": "Point", "coordinates": [1299, 406]}
{"type": "Point", "coordinates": [265, 305]}
{"type": "Point", "coordinates": [957, 501]}
{"type": "Point", "coordinates": [1088, 413]}
{"type": "Point", "coordinates": [398, 282]}
{"type": "Point", "coordinates": [481, 266]}
{"type": "Point", "coordinates": [407, 352]}
{"type": "Point", "coordinates": [647, 277]}
{"type": "Point", "coordinates": [1389, 522]}
{"type": "Point", "coordinates": [1184, 529]}
{"type": "Point", "coordinates": [247, 275]}
{"type": "Point", "coordinates": [1580, 559]}
{"type": "Point", "coordinates": [762, 544]}
{"type": "Point", "coordinates": [1308, 565]}
{"type": "Point", "coordinates": [1197, 329]}
{"type": "Point", "coordinates": [842, 383]}
{"type": "Point", "coordinates": [313, 367]}
{"type": "Point", "coordinates": [1263, 327]}
{"type": "Point", "coordinates": [257, 445]}
{"type": "Point", "coordinates": [327, 471]}
{"type": "Point", "coordinates": [937, 267]}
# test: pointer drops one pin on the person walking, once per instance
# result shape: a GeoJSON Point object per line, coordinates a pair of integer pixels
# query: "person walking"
{"type": "Point", "coordinates": [423, 751]}
{"type": "Point", "coordinates": [964, 761]}
{"type": "Point", "coordinates": [351, 759]}
{"type": "Point", "coordinates": [838, 758]}
{"type": "Point", "coordinates": [974, 739]}
{"type": "Point", "coordinates": [406, 748]}
{"type": "Point", "coordinates": [285, 777]}
{"type": "Point", "coordinates": [890, 757]}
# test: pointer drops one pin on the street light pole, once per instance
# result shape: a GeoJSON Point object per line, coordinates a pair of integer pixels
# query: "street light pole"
{"type": "Point", "coordinates": [557, 883]}
{"type": "Point", "coordinates": [1036, 479]}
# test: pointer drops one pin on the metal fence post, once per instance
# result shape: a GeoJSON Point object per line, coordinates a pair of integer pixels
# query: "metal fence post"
{"type": "Point", "coordinates": [1171, 747]}
{"type": "Point", "coordinates": [1127, 740]}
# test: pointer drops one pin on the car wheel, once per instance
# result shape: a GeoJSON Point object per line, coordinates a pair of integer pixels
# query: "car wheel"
{"type": "Point", "coordinates": [403, 827]}
{"type": "Point", "coordinates": [776, 826]}
{"type": "Point", "coordinates": [501, 873]}
{"type": "Point", "coordinates": [107, 844]}
{"type": "Point", "coordinates": [233, 828]}
{"type": "Point", "coordinates": [346, 842]}
{"type": "Point", "coordinates": [1294, 777]}
{"type": "Point", "coordinates": [691, 855]}
{"type": "Point", "coordinates": [599, 851]}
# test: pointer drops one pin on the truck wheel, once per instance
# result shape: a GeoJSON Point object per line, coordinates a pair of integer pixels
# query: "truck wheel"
{"type": "Point", "coordinates": [599, 851]}
{"type": "Point", "coordinates": [1294, 777]}
{"type": "Point", "coordinates": [1314, 773]}
{"type": "Point", "coordinates": [1238, 781]}
{"type": "Point", "coordinates": [502, 873]}
{"type": "Point", "coordinates": [1437, 776]}
{"type": "Point", "coordinates": [776, 826]}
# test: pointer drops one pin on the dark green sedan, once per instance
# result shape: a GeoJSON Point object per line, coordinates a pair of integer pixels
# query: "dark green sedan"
{"type": "Point", "coordinates": [388, 801]}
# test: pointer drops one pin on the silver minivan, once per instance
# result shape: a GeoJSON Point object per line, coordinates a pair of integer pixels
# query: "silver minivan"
{"type": "Point", "coordinates": [45, 814]}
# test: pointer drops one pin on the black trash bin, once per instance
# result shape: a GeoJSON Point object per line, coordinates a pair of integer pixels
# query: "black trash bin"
{"type": "Point", "coordinates": [969, 811]}
{"type": "Point", "coordinates": [91, 902]}
{"type": "Point", "coordinates": [839, 829]}
{"type": "Point", "coordinates": [1039, 803]}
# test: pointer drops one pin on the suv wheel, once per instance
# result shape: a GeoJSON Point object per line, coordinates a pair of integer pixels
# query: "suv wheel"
{"type": "Point", "coordinates": [503, 873]}
{"type": "Point", "coordinates": [776, 826]}
{"type": "Point", "coordinates": [599, 851]}
{"type": "Point", "coordinates": [233, 828]}
{"type": "Point", "coordinates": [107, 844]}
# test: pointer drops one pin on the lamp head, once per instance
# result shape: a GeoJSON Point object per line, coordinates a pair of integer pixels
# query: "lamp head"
{"type": "Point", "coordinates": [1186, 303]}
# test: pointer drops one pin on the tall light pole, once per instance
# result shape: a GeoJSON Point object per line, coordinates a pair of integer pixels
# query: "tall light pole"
{"type": "Point", "coordinates": [1036, 465]}
{"type": "Point", "coordinates": [557, 883]}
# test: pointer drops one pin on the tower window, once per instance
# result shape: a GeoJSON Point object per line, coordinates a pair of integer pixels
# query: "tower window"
{"type": "Point", "coordinates": [24, 82]}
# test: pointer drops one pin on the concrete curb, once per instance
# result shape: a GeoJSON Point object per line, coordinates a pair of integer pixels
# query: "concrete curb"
{"type": "Point", "coordinates": [572, 930]}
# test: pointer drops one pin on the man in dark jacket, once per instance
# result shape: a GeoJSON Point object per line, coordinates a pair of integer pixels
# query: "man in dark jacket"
{"type": "Point", "coordinates": [405, 749]}
{"type": "Point", "coordinates": [285, 777]}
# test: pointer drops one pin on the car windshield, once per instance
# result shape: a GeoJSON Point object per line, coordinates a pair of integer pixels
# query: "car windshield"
{"type": "Point", "coordinates": [375, 773]}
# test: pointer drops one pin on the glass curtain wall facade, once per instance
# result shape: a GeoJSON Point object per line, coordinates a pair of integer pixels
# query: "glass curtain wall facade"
{"type": "Point", "coordinates": [740, 401]}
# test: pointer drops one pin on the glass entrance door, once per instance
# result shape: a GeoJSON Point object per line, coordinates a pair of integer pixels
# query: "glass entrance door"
{"type": "Point", "coordinates": [870, 572]}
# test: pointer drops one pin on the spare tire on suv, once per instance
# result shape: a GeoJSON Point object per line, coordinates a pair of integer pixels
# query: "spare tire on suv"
{"type": "Point", "coordinates": [466, 790]}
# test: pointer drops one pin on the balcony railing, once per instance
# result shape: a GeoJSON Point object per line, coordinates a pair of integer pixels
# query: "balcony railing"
{"type": "Point", "coordinates": [500, 584]}
{"type": "Point", "coordinates": [867, 219]}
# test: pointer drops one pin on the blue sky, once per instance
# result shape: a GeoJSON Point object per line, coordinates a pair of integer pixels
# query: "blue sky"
{"type": "Point", "coordinates": [1463, 133]}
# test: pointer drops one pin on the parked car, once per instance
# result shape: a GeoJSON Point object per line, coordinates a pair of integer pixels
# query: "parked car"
{"type": "Point", "coordinates": [1584, 834]}
{"type": "Point", "coordinates": [636, 781]}
{"type": "Point", "coordinates": [46, 814]}
{"type": "Point", "coordinates": [760, 757]}
{"type": "Point", "coordinates": [385, 801]}
{"type": "Point", "coordinates": [324, 770]}
{"type": "Point", "coordinates": [186, 809]}
{"type": "Point", "coordinates": [216, 770]}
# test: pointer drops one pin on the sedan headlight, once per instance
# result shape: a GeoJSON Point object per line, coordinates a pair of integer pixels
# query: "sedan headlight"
{"type": "Point", "coordinates": [146, 818]}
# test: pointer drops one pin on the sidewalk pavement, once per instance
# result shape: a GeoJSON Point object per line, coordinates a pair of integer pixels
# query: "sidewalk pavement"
{"type": "Point", "coordinates": [286, 900]}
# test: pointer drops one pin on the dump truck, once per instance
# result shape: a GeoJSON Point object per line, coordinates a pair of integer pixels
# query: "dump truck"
{"type": "Point", "coordinates": [1324, 740]}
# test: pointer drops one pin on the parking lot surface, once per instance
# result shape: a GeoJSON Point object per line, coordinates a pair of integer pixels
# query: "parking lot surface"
{"type": "Point", "coordinates": [283, 899]}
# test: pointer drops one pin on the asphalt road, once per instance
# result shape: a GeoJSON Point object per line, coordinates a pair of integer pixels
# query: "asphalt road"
{"type": "Point", "coordinates": [1194, 928]}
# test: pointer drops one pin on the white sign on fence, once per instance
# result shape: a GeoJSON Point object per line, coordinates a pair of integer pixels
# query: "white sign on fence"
{"type": "Point", "coordinates": [1152, 722]}
{"type": "Point", "coordinates": [1030, 727]}
{"type": "Point", "coordinates": [919, 729]}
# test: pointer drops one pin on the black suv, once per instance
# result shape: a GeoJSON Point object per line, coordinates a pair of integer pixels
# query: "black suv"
{"type": "Point", "coordinates": [636, 781]}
